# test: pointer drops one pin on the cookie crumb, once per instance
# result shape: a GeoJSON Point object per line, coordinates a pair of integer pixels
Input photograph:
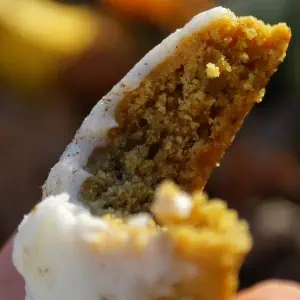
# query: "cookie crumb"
{"type": "Point", "coordinates": [212, 71]}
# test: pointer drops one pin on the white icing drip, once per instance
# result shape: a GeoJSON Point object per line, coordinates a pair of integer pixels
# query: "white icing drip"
{"type": "Point", "coordinates": [172, 206]}
{"type": "Point", "coordinates": [52, 249]}
{"type": "Point", "coordinates": [93, 131]}
{"type": "Point", "coordinates": [56, 252]}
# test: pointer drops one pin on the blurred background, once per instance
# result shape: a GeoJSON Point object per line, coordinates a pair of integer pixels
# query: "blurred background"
{"type": "Point", "coordinates": [57, 59]}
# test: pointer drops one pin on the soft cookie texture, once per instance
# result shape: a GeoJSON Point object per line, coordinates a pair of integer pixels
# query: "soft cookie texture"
{"type": "Point", "coordinates": [65, 253]}
{"type": "Point", "coordinates": [110, 226]}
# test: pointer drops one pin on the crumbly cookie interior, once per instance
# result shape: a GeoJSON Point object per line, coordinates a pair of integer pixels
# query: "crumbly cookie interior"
{"type": "Point", "coordinates": [185, 113]}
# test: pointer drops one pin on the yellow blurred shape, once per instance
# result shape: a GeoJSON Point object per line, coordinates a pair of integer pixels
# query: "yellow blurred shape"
{"type": "Point", "coordinates": [36, 36]}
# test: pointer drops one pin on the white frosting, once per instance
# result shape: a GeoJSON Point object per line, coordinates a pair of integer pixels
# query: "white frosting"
{"type": "Point", "coordinates": [170, 206]}
{"type": "Point", "coordinates": [68, 174]}
{"type": "Point", "coordinates": [55, 249]}
{"type": "Point", "coordinates": [139, 220]}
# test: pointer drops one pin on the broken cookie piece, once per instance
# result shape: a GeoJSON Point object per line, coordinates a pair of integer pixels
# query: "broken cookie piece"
{"type": "Point", "coordinates": [190, 248]}
{"type": "Point", "coordinates": [184, 113]}
{"type": "Point", "coordinates": [123, 214]}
